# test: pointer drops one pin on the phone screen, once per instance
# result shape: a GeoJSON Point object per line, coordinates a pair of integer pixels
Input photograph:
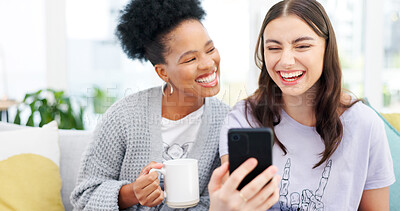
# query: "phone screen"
{"type": "Point", "coordinates": [245, 143]}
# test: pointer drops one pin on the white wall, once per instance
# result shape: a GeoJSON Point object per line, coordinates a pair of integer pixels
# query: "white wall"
{"type": "Point", "coordinates": [22, 46]}
{"type": "Point", "coordinates": [56, 45]}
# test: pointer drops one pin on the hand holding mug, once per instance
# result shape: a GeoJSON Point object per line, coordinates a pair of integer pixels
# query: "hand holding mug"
{"type": "Point", "coordinates": [257, 195]}
{"type": "Point", "coordinates": [147, 186]}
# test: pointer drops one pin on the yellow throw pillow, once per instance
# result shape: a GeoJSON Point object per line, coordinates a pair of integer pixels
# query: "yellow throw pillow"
{"type": "Point", "coordinates": [29, 169]}
{"type": "Point", "coordinates": [393, 119]}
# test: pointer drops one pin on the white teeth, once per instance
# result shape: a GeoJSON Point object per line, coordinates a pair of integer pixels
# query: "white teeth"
{"type": "Point", "coordinates": [288, 76]}
{"type": "Point", "coordinates": [208, 79]}
{"type": "Point", "coordinates": [291, 79]}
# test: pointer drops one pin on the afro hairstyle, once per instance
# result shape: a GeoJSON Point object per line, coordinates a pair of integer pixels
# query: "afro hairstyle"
{"type": "Point", "coordinates": [143, 24]}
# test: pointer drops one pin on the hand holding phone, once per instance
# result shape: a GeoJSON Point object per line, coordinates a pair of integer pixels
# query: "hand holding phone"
{"type": "Point", "coordinates": [245, 143]}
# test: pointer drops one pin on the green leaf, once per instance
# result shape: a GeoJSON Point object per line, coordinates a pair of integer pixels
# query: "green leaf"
{"type": "Point", "coordinates": [26, 97]}
{"type": "Point", "coordinates": [79, 119]}
{"type": "Point", "coordinates": [58, 95]}
{"type": "Point", "coordinates": [32, 106]}
{"type": "Point", "coordinates": [43, 101]}
{"type": "Point", "coordinates": [30, 121]}
{"type": "Point", "coordinates": [17, 119]}
{"type": "Point", "coordinates": [45, 115]}
{"type": "Point", "coordinates": [66, 121]}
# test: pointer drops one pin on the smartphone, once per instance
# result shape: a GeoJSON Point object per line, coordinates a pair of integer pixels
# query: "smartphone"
{"type": "Point", "coordinates": [245, 143]}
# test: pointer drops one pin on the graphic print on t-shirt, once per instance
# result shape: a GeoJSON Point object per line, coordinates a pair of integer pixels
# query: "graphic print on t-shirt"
{"type": "Point", "coordinates": [175, 151]}
{"type": "Point", "coordinates": [308, 200]}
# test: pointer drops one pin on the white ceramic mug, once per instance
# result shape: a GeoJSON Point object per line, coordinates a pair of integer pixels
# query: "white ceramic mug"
{"type": "Point", "coordinates": [181, 182]}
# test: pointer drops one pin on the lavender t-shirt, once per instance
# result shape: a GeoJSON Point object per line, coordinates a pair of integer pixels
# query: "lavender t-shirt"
{"type": "Point", "coordinates": [361, 162]}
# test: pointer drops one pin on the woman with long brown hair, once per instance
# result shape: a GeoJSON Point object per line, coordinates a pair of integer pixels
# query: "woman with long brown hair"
{"type": "Point", "coordinates": [330, 148]}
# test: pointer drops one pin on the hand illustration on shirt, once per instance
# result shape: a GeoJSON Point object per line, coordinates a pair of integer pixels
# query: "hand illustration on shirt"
{"type": "Point", "coordinates": [175, 151]}
{"type": "Point", "coordinates": [308, 201]}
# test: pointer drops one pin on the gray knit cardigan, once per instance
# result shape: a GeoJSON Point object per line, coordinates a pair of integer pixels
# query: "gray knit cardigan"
{"type": "Point", "coordinates": [128, 138]}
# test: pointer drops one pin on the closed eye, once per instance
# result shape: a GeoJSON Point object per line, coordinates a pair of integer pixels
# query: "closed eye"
{"type": "Point", "coordinates": [211, 50]}
{"type": "Point", "coordinates": [273, 49]}
{"type": "Point", "coordinates": [189, 60]}
{"type": "Point", "coordinates": [303, 46]}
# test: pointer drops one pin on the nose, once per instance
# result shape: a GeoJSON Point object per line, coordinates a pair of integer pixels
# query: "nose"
{"type": "Point", "coordinates": [287, 59]}
{"type": "Point", "coordinates": [207, 62]}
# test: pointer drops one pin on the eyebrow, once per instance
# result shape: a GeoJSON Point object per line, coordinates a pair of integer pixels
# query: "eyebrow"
{"type": "Point", "coordinates": [293, 42]}
{"type": "Point", "coordinates": [302, 39]}
{"type": "Point", "coordinates": [190, 52]}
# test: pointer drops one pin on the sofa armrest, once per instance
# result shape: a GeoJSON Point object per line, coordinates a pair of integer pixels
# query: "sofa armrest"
{"type": "Point", "coordinates": [72, 145]}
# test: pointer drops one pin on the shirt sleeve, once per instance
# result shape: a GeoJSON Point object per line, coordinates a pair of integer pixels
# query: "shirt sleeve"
{"type": "Point", "coordinates": [98, 185]}
{"type": "Point", "coordinates": [380, 165]}
{"type": "Point", "coordinates": [235, 119]}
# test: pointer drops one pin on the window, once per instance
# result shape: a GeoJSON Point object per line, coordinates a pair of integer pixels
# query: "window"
{"type": "Point", "coordinates": [347, 19]}
{"type": "Point", "coordinates": [95, 57]}
{"type": "Point", "coordinates": [391, 73]}
{"type": "Point", "coordinates": [368, 35]}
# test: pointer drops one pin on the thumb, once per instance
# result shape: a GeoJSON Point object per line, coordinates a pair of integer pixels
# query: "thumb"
{"type": "Point", "coordinates": [216, 178]}
{"type": "Point", "coordinates": [152, 165]}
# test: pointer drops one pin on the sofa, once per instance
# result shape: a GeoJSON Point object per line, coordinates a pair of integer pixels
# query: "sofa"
{"type": "Point", "coordinates": [72, 145]}
{"type": "Point", "coordinates": [392, 127]}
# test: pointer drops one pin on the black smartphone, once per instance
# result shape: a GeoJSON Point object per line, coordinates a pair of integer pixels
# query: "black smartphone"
{"type": "Point", "coordinates": [245, 143]}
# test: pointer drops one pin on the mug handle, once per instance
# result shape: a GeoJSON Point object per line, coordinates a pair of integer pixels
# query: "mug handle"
{"type": "Point", "coordinates": [160, 171]}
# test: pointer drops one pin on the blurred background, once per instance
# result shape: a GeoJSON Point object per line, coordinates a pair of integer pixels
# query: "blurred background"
{"type": "Point", "coordinates": [60, 59]}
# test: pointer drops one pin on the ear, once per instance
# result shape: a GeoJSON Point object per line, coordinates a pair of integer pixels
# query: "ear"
{"type": "Point", "coordinates": [161, 72]}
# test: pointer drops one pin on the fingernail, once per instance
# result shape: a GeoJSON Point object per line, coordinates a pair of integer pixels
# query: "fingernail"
{"type": "Point", "coordinates": [274, 169]}
{"type": "Point", "coordinates": [253, 161]}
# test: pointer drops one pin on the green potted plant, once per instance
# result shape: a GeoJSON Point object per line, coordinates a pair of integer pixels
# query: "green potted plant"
{"type": "Point", "coordinates": [50, 105]}
{"type": "Point", "coordinates": [102, 100]}
{"type": "Point", "coordinates": [387, 96]}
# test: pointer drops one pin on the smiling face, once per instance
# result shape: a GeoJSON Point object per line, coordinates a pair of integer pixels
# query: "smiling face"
{"type": "Point", "coordinates": [294, 54]}
{"type": "Point", "coordinates": [192, 62]}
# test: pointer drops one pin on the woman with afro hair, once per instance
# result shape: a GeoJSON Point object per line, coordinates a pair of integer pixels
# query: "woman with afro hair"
{"type": "Point", "coordinates": [181, 119]}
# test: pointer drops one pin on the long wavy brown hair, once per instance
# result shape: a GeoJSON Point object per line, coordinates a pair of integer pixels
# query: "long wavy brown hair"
{"type": "Point", "coordinates": [266, 103]}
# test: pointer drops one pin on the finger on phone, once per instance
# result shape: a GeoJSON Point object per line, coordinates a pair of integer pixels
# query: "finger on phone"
{"type": "Point", "coordinates": [273, 199]}
{"type": "Point", "coordinates": [216, 177]}
{"type": "Point", "coordinates": [265, 193]}
{"type": "Point", "coordinates": [259, 182]}
{"type": "Point", "coordinates": [240, 173]}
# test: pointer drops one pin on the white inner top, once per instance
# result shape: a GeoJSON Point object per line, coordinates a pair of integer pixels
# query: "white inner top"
{"type": "Point", "coordinates": [179, 136]}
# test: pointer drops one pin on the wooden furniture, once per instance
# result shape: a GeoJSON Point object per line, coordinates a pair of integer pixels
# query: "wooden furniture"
{"type": "Point", "coordinates": [4, 106]}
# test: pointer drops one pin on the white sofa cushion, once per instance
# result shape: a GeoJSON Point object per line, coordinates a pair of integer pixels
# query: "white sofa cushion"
{"type": "Point", "coordinates": [72, 145]}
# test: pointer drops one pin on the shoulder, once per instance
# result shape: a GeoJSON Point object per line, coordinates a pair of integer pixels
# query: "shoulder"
{"type": "Point", "coordinates": [217, 102]}
{"type": "Point", "coordinates": [134, 100]}
{"type": "Point", "coordinates": [361, 115]}
{"type": "Point", "coordinates": [361, 111]}
{"type": "Point", "coordinates": [240, 116]}
{"type": "Point", "coordinates": [239, 109]}
{"type": "Point", "coordinates": [126, 111]}
{"type": "Point", "coordinates": [217, 106]}
{"type": "Point", "coordinates": [240, 106]}
{"type": "Point", "coordinates": [132, 105]}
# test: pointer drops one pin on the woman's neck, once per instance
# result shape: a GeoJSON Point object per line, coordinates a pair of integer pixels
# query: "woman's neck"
{"type": "Point", "coordinates": [179, 105]}
{"type": "Point", "coordinates": [301, 108]}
